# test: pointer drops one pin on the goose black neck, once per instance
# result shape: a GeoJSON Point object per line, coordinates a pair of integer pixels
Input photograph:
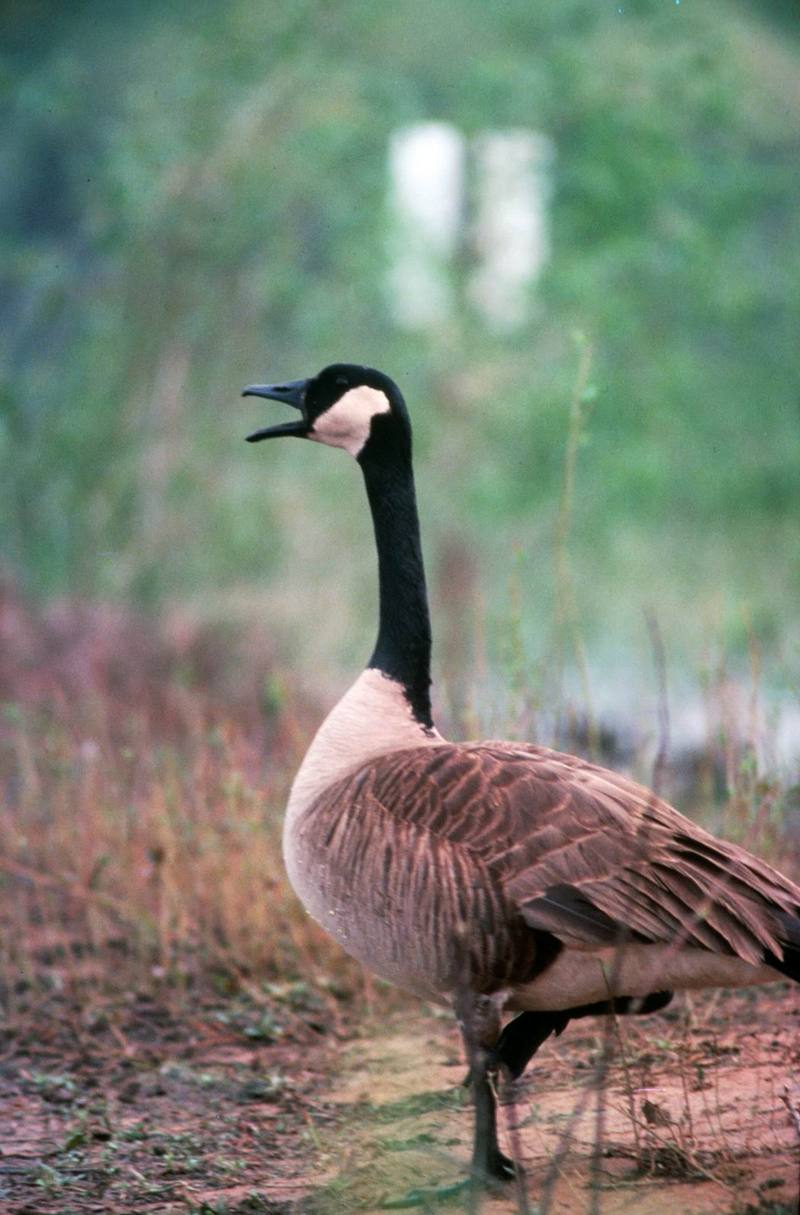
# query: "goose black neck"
{"type": "Point", "coordinates": [403, 648]}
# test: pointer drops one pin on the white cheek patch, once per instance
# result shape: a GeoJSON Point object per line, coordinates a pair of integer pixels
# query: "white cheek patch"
{"type": "Point", "coordinates": [346, 424]}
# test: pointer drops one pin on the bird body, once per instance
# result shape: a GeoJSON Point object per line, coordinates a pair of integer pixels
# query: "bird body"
{"type": "Point", "coordinates": [426, 859]}
{"type": "Point", "coordinates": [496, 877]}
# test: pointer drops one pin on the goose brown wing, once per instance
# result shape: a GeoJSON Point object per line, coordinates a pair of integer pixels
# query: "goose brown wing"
{"type": "Point", "coordinates": [583, 853]}
{"type": "Point", "coordinates": [628, 865]}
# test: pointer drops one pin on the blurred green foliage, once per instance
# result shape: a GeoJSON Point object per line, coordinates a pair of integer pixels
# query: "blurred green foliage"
{"type": "Point", "coordinates": [195, 198]}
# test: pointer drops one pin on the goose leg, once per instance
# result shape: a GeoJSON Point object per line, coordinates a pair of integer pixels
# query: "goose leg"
{"type": "Point", "coordinates": [487, 1159]}
{"type": "Point", "coordinates": [488, 1050]}
{"type": "Point", "coordinates": [523, 1036]}
{"type": "Point", "coordinates": [479, 1021]}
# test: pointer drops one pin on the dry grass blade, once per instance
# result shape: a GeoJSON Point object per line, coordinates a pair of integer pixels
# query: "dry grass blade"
{"type": "Point", "coordinates": [148, 924]}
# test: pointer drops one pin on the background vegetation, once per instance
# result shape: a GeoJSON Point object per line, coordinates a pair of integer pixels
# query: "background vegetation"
{"type": "Point", "coordinates": [195, 198]}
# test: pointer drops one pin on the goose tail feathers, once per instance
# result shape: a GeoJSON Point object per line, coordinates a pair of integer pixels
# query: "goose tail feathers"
{"type": "Point", "coordinates": [789, 932]}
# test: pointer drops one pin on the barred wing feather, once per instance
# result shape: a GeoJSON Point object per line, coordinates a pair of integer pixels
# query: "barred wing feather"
{"type": "Point", "coordinates": [583, 853]}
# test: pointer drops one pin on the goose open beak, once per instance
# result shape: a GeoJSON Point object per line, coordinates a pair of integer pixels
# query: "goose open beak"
{"type": "Point", "coordinates": [291, 393]}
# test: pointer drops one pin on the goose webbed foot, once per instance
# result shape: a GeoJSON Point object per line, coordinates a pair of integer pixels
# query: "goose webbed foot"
{"type": "Point", "coordinates": [498, 1167]}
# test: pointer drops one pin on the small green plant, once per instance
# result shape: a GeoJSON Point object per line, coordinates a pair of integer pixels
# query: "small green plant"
{"type": "Point", "coordinates": [49, 1179]}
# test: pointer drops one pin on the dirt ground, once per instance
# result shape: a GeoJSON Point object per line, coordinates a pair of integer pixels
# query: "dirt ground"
{"type": "Point", "coordinates": [235, 1107]}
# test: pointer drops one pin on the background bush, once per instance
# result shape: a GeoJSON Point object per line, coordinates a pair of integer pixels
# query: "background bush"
{"type": "Point", "coordinates": [195, 198]}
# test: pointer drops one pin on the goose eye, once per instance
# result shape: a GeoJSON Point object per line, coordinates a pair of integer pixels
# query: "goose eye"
{"type": "Point", "coordinates": [341, 381]}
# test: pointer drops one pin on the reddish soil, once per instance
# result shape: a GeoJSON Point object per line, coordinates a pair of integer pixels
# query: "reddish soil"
{"type": "Point", "coordinates": [129, 1108]}
{"type": "Point", "coordinates": [231, 1107]}
{"type": "Point", "coordinates": [693, 1104]}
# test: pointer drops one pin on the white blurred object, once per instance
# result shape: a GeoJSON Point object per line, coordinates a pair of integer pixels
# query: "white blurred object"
{"type": "Point", "coordinates": [426, 183]}
{"type": "Point", "coordinates": [427, 173]}
{"type": "Point", "coordinates": [512, 236]}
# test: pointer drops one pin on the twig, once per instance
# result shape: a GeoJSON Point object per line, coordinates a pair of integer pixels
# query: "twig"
{"type": "Point", "coordinates": [794, 1116]}
{"type": "Point", "coordinates": [568, 621]}
{"type": "Point", "coordinates": [662, 754]}
{"type": "Point", "coordinates": [794, 1111]}
{"type": "Point", "coordinates": [628, 1082]}
{"type": "Point", "coordinates": [515, 1141]}
{"type": "Point", "coordinates": [562, 1149]}
{"type": "Point", "coordinates": [601, 1075]}
{"type": "Point", "coordinates": [67, 885]}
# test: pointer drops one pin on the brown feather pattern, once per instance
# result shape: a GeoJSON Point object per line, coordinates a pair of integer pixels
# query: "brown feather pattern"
{"type": "Point", "coordinates": [457, 857]}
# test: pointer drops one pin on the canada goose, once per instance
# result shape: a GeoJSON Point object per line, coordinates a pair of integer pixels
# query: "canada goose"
{"type": "Point", "coordinates": [496, 877]}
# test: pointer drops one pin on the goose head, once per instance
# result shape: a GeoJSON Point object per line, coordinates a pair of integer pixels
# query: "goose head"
{"type": "Point", "coordinates": [356, 408]}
